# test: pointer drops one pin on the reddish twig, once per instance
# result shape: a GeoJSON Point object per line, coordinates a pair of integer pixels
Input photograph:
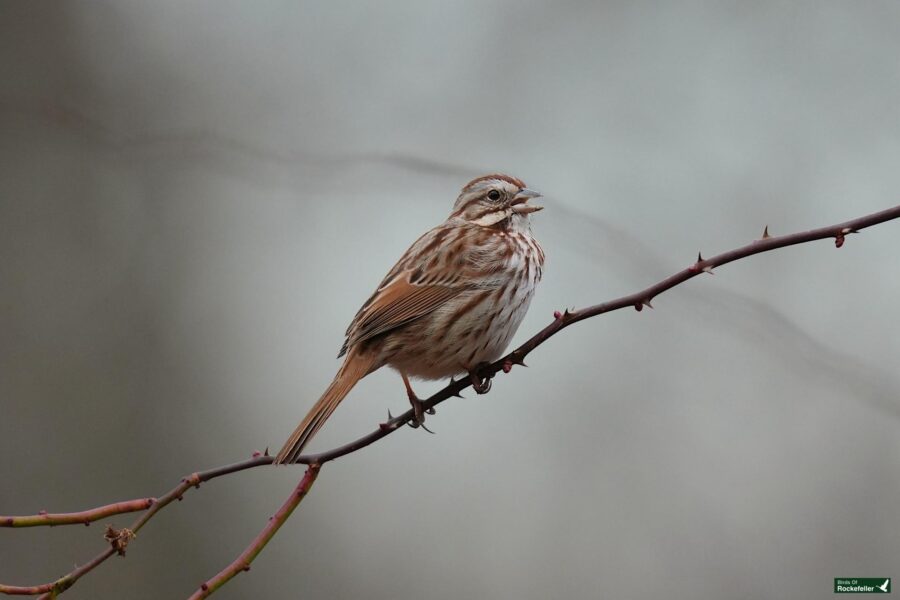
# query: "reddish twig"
{"type": "Point", "coordinates": [85, 517]}
{"type": "Point", "coordinates": [561, 320]}
{"type": "Point", "coordinates": [119, 540]}
{"type": "Point", "coordinates": [242, 562]}
{"type": "Point", "coordinates": [54, 588]}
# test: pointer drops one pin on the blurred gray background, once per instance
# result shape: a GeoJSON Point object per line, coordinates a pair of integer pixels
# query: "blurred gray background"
{"type": "Point", "coordinates": [195, 198]}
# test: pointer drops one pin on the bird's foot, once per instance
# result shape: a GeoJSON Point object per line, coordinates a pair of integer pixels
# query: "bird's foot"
{"type": "Point", "coordinates": [419, 412]}
{"type": "Point", "coordinates": [418, 406]}
{"type": "Point", "coordinates": [481, 385]}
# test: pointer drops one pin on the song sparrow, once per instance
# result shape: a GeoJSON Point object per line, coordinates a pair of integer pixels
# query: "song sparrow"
{"type": "Point", "coordinates": [451, 303]}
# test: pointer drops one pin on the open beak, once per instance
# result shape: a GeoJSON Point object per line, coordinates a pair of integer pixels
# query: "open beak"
{"type": "Point", "coordinates": [519, 202]}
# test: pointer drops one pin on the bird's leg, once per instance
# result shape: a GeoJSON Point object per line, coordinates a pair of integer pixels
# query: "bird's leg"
{"type": "Point", "coordinates": [481, 385]}
{"type": "Point", "coordinates": [417, 405]}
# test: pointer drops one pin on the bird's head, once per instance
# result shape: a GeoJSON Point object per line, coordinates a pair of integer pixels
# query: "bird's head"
{"type": "Point", "coordinates": [495, 199]}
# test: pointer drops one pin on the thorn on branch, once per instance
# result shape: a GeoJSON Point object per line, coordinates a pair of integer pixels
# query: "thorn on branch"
{"type": "Point", "coordinates": [639, 306]}
{"type": "Point", "coordinates": [765, 234]}
{"type": "Point", "coordinates": [557, 315]}
{"type": "Point", "coordinates": [457, 393]}
{"type": "Point", "coordinates": [696, 266]}
{"type": "Point", "coordinates": [388, 425]}
{"type": "Point", "coordinates": [839, 238]}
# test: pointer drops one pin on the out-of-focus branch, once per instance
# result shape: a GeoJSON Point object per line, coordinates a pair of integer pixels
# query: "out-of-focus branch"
{"type": "Point", "coordinates": [118, 539]}
{"type": "Point", "coordinates": [85, 517]}
{"type": "Point", "coordinates": [242, 562]}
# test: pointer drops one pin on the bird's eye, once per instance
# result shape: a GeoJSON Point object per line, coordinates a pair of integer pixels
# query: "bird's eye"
{"type": "Point", "coordinates": [494, 195]}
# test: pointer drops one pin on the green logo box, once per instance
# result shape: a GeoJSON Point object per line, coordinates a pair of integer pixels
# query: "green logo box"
{"type": "Point", "coordinates": [862, 585]}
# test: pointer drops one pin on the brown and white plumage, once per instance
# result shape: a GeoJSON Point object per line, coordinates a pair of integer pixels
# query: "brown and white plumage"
{"type": "Point", "coordinates": [452, 302]}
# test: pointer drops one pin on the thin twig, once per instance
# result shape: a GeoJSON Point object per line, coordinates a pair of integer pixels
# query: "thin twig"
{"type": "Point", "coordinates": [242, 562]}
{"type": "Point", "coordinates": [85, 517]}
{"type": "Point", "coordinates": [561, 320]}
{"type": "Point", "coordinates": [54, 588]}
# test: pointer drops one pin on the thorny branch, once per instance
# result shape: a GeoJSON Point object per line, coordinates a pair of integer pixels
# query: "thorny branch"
{"type": "Point", "coordinates": [118, 539]}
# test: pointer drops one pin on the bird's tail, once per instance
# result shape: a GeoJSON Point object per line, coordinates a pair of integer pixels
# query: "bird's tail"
{"type": "Point", "coordinates": [355, 367]}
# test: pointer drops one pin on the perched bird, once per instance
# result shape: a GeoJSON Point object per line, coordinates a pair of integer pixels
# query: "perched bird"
{"type": "Point", "coordinates": [451, 303]}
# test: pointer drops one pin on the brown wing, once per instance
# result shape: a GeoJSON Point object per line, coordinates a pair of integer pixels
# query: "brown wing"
{"type": "Point", "coordinates": [396, 304]}
{"type": "Point", "coordinates": [434, 270]}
